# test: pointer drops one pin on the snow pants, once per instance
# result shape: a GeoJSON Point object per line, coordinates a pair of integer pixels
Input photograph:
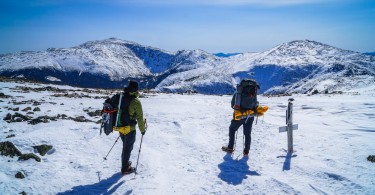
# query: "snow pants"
{"type": "Point", "coordinates": [127, 147]}
{"type": "Point", "coordinates": [234, 125]}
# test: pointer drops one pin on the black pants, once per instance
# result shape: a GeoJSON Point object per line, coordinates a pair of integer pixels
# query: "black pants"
{"type": "Point", "coordinates": [127, 147]}
{"type": "Point", "coordinates": [234, 125]}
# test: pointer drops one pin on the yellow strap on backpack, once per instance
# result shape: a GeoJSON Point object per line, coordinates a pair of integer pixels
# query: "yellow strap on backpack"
{"type": "Point", "coordinates": [261, 110]}
{"type": "Point", "coordinates": [123, 130]}
{"type": "Point", "coordinates": [238, 115]}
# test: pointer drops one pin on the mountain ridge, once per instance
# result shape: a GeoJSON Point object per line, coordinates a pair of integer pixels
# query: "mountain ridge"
{"type": "Point", "coordinates": [293, 67]}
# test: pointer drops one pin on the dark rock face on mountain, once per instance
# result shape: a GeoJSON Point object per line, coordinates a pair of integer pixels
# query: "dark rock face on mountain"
{"type": "Point", "coordinates": [293, 67]}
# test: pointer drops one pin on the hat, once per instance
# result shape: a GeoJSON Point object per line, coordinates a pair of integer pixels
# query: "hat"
{"type": "Point", "coordinates": [132, 86]}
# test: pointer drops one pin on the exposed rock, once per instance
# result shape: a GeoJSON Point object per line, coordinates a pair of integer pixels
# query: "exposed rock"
{"type": "Point", "coordinates": [8, 149]}
{"type": "Point", "coordinates": [23, 193]}
{"type": "Point", "coordinates": [43, 149]}
{"type": "Point", "coordinates": [37, 103]}
{"type": "Point", "coordinates": [26, 109]}
{"type": "Point", "coordinates": [17, 117]}
{"type": "Point", "coordinates": [36, 109]}
{"type": "Point", "coordinates": [37, 120]}
{"type": "Point", "coordinates": [9, 136]}
{"type": "Point", "coordinates": [14, 109]}
{"type": "Point", "coordinates": [42, 119]}
{"type": "Point", "coordinates": [48, 88]}
{"type": "Point", "coordinates": [371, 158]}
{"type": "Point", "coordinates": [20, 175]}
{"type": "Point", "coordinates": [28, 156]}
{"type": "Point", "coordinates": [64, 116]}
{"type": "Point", "coordinates": [2, 95]}
{"type": "Point", "coordinates": [95, 113]}
{"type": "Point", "coordinates": [8, 117]}
{"type": "Point", "coordinates": [80, 119]}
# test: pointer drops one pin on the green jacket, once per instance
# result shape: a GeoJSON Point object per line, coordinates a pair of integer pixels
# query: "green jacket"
{"type": "Point", "coordinates": [136, 112]}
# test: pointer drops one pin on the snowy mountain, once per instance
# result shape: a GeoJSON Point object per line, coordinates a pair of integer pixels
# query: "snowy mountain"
{"type": "Point", "coordinates": [198, 71]}
{"type": "Point", "coordinates": [104, 63]}
{"type": "Point", "coordinates": [295, 67]}
{"type": "Point", "coordinates": [306, 66]}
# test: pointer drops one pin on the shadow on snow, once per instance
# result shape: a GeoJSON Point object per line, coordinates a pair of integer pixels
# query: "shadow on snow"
{"type": "Point", "coordinates": [235, 171]}
{"type": "Point", "coordinates": [102, 187]}
{"type": "Point", "coordinates": [288, 160]}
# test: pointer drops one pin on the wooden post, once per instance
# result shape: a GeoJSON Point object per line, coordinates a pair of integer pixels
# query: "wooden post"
{"type": "Point", "coordinates": [289, 125]}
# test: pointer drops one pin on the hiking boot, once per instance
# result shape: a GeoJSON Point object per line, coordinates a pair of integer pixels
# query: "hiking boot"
{"type": "Point", "coordinates": [128, 166]}
{"type": "Point", "coordinates": [246, 152]}
{"type": "Point", "coordinates": [127, 170]}
{"type": "Point", "coordinates": [226, 149]}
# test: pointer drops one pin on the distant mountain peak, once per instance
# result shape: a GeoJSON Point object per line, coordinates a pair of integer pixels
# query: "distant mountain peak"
{"type": "Point", "coordinates": [306, 48]}
{"type": "Point", "coordinates": [303, 45]}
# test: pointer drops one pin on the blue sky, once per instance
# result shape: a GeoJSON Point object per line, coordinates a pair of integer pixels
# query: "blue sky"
{"type": "Point", "coordinates": [211, 25]}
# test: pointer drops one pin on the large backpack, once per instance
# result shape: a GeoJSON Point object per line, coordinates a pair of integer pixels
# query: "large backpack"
{"type": "Point", "coordinates": [122, 118]}
{"type": "Point", "coordinates": [116, 112]}
{"type": "Point", "coordinates": [245, 97]}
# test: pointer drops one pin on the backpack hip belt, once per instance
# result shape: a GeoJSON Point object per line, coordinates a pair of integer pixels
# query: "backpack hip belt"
{"type": "Point", "coordinates": [259, 111]}
{"type": "Point", "coordinates": [238, 115]}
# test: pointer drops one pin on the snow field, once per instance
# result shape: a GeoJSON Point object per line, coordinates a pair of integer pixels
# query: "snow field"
{"type": "Point", "coordinates": [181, 151]}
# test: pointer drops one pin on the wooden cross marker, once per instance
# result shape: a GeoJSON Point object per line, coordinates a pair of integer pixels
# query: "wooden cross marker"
{"type": "Point", "coordinates": [290, 127]}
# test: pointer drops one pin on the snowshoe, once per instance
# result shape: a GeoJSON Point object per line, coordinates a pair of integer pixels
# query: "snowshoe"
{"type": "Point", "coordinates": [226, 149]}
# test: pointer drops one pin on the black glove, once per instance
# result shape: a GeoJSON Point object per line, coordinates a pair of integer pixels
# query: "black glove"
{"type": "Point", "coordinates": [143, 133]}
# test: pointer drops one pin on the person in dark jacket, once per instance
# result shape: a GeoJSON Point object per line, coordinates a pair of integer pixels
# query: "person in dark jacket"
{"type": "Point", "coordinates": [246, 119]}
{"type": "Point", "coordinates": [245, 105]}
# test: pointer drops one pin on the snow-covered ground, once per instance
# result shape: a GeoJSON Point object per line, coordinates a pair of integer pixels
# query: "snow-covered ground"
{"type": "Point", "coordinates": [181, 151]}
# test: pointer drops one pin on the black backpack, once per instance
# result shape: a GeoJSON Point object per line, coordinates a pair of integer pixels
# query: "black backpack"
{"type": "Point", "coordinates": [123, 118]}
{"type": "Point", "coordinates": [245, 97]}
{"type": "Point", "coordinates": [110, 110]}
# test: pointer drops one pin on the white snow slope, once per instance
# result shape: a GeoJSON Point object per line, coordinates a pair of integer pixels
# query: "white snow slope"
{"type": "Point", "coordinates": [294, 67]}
{"type": "Point", "coordinates": [181, 151]}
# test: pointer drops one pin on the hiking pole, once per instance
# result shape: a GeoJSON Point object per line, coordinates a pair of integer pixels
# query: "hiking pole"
{"type": "Point", "coordinates": [139, 151]}
{"type": "Point", "coordinates": [105, 158]}
{"type": "Point", "coordinates": [243, 145]}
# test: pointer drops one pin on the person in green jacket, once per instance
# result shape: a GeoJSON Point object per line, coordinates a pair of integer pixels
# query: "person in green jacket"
{"type": "Point", "coordinates": [130, 113]}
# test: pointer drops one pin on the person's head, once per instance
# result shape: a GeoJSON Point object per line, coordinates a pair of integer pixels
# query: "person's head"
{"type": "Point", "coordinates": [132, 86]}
